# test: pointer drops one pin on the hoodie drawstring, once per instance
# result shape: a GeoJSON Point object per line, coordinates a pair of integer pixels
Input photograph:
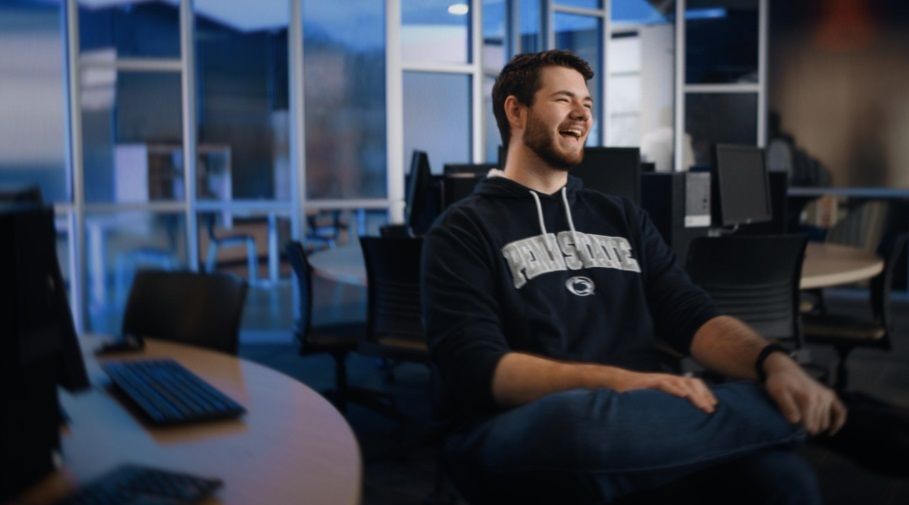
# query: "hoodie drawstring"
{"type": "Point", "coordinates": [539, 211]}
{"type": "Point", "coordinates": [536, 200]}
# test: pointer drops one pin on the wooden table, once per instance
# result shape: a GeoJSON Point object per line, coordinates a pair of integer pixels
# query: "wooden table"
{"type": "Point", "coordinates": [825, 265]}
{"type": "Point", "coordinates": [829, 265]}
{"type": "Point", "coordinates": [290, 447]}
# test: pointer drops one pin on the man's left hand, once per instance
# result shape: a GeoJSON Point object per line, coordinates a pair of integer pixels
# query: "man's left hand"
{"type": "Point", "coordinates": [801, 399]}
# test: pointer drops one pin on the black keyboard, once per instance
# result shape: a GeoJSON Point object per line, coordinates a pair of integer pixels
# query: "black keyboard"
{"type": "Point", "coordinates": [140, 485]}
{"type": "Point", "coordinates": [168, 394]}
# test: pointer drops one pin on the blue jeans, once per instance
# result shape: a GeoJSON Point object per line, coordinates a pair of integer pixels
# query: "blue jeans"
{"type": "Point", "coordinates": [597, 445]}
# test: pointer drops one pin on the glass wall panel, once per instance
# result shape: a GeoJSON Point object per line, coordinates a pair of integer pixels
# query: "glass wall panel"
{"type": "Point", "coordinates": [436, 31]}
{"type": "Point", "coordinates": [721, 41]}
{"type": "Point", "coordinates": [496, 50]}
{"type": "Point", "coordinates": [437, 117]}
{"type": "Point", "coordinates": [493, 137]}
{"type": "Point", "coordinates": [119, 244]}
{"type": "Point", "coordinates": [583, 35]}
{"type": "Point", "coordinates": [590, 4]}
{"type": "Point", "coordinates": [132, 130]}
{"type": "Point", "coordinates": [344, 92]}
{"type": "Point", "coordinates": [33, 98]}
{"type": "Point", "coordinates": [242, 75]}
{"type": "Point", "coordinates": [640, 79]}
{"type": "Point", "coordinates": [712, 118]}
{"type": "Point", "coordinates": [530, 12]}
{"type": "Point", "coordinates": [130, 28]}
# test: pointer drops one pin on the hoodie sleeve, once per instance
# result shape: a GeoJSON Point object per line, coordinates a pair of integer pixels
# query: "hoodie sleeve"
{"type": "Point", "coordinates": [460, 311]}
{"type": "Point", "coordinates": [678, 306]}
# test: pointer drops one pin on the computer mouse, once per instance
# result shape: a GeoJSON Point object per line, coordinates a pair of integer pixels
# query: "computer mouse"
{"type": "Point", "coordinates": [127, 343]}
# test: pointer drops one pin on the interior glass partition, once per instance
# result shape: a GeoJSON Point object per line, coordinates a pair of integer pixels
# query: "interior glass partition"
{"type": "Point", "coordinates": [640, 79]}
{"type": "Point", "coordinates": [721, 41]}
{"type": "Point", "coordinates": [437, 117]}
{"type": "Point", "coordinates": [436, 31]}
{"type": "Point", "coordinates": [33, 98]}
{"type": "Point", "coordinates": [132, 134]}
{"type": "Point", "coordinates": [118, 243]}
{"type": "Point", "coordinates": [583, 35]}
{"type": "Point", "coordinates": [344, 96]}
{"type": "Point", "coordinates": [130, 28]}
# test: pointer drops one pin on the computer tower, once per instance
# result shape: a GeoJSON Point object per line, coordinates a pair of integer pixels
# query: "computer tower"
{"type": "Point", "coordinates": [38, 346]}
{"type": "Point", "coordinates": [679, 206]}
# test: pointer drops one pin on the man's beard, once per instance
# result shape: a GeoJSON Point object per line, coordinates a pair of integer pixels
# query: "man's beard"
{"type": "Point", "coordinates": [541, 141]}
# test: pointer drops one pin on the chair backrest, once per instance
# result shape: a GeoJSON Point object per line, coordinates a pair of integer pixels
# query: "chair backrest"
{"type": "Point", "coordinates": [864, 225]}
{"type": "Point", "coordinates": [303, 272]}
{"type": "Point", "coordinates": [187, 307]}
{"type": "Point", "coordinates": [891, 250]}
{"type": "Point", "coordinates": [754, 278]}
{"type": "Point", "coordinates": [393, 291]}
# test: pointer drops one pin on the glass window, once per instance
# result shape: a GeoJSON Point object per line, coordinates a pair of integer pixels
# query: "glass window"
{"type": "Point", "coordinates": [243, 115]}
{"type": "Point", "coordinates": [712, 118]}
{"type": "Point", "coordinates": [721, 41]}
{"type": "Point", "coordinates": [582, 35]}
{"type": "Point", "coordinates": [531, 26]}
{"type": "Point", "coordinates": [132, 130]}
{"type": "Point", "coordinates": [33, 99]}
{"type": "Point", "coordinates": [590, 4]}
{"type": "Point", "coordinates": [496, 50]}
{"type": "Point", "coordinates": [118, 244]}
{"type": "Point", "coordinates": [435, 31]}
{"type": "Point", "coordinates": [437, 117]}
{"type": "Point", "coordinates": [496, 45]}
{"type": "Point", "coordinates": [493, 137]}
{"type": "Point", "coordinates": [640, 80]}
{"type": "Point", "coordinates": [130, 28]}
{"type": "Point", "coordinates": [344, 92]}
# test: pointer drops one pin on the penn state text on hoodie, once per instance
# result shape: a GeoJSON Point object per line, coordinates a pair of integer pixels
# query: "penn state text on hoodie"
{"type": "Point", "coordinates": [576, 276]}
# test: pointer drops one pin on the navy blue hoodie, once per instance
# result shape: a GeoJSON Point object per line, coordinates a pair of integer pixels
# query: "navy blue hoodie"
{"type": "Point", "coordinates": [576, 276]}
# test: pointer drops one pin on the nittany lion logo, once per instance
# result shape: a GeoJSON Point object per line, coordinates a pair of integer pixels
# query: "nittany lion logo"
{"type": "Point", "coordinates": [579, 285]}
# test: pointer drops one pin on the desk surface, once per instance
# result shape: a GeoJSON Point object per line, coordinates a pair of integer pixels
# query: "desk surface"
{"type": "Point", "coordinates": [291, 446]}
{"type": "Point", "coordinates": [825, 265]}
{"type": "Point", "coordinates": [829, 265]}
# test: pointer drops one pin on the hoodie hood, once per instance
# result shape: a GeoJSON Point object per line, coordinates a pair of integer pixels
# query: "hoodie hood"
{"type": "Point", "coordinates": [503, 187]}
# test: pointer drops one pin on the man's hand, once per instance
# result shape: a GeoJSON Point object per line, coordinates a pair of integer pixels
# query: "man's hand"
{"type": "Point", "coordinates": [693, 389]}
{"type": "Point", "coordinates": [800, 398]}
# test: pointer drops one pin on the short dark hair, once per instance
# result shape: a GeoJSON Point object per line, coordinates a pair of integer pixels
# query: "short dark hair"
{"type": "Point", "coordinates": [521, 78]}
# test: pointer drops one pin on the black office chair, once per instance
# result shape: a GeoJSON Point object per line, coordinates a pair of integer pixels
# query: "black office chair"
{"type": "Point", "coordinates": [845, 332]}
{"type": "Point", "coordinates": [754, 278]}
{"type": "Point", "coordinates": [394, 326]}
{"type": "Point", "coordinates": [337, 340]}
{"type": "Point", "coordinates": [186, 307]}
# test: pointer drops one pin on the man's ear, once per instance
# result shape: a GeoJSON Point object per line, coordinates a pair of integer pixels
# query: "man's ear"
{"type": "Point", "coordinates": [515, 112]}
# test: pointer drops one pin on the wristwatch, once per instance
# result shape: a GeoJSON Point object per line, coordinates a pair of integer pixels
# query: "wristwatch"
{"type": "Point", "coordinates": [762, 357]}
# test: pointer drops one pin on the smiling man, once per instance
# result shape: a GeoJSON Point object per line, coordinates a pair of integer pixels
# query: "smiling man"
{"type": "Point", "coordinates": [542, 302]}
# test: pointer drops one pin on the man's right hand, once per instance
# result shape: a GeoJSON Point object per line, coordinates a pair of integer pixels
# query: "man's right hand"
{"type": "Point", "coordinates": [690, 388]}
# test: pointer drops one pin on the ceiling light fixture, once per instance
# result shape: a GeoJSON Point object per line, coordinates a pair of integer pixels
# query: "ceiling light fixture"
{"type": "Point", "coordinates": [459, 9]}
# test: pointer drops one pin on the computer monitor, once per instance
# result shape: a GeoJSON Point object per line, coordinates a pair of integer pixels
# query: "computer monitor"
{"type": "Point", "coordinates": [421, 206]}
{"type": "Point", "coordinates": [461, 179]}
{"type": "Point", "coordinates": [20, 194]}
{"type": "Point", "coordinates": [38, 346]}
{"type": "Point", "coordinates": [742, 190]}
{"type": "Point", "coordinates": [612, 170]}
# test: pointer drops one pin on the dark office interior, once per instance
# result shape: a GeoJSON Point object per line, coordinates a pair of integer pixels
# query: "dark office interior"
{"type": "Point", "coordinates": [210, 184]}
